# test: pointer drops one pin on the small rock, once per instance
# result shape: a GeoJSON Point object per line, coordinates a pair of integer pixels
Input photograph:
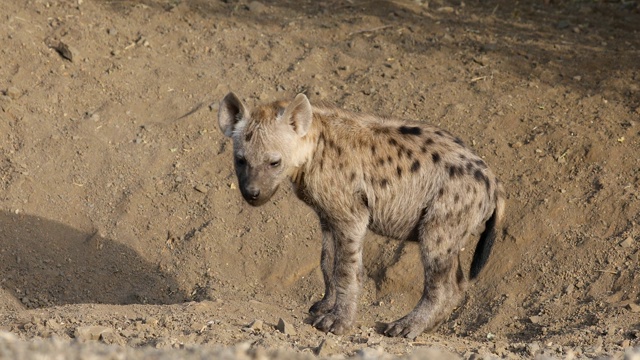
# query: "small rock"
{"type": "Point", "coordinates": [111, 338]}
{"type": "Point", "coordinates": [256, 325]}
{"type": "Point", "coordinates": [13, 92]}
{"type": "Point", "coordinates": [516, 145]}
{"type": "Point", "coordinates": [628, 242]}
{"type": "Point", "coordinates": [446, 10]}
{"type": "Point", "coordinates": [563, 24]}
{"type": "Point", "coordinates": [569, 289]}
{"type": "Point", "coordinates": [67, 51]}
{"type": "Point", "coordinates": [151, 321]}
{"type": "Point", "coordinates": [577, 78]}
{"type": "Point", "coordinates": [232, 186]}
{"type": "Point", "coordinates": [633, 307]}
{"type": "Point", "coordinates": [326, 348]}
{"type": "Point", "coordinates": [488, 47]}
{"type": "Point", "coordinates": [84, 333]}
{"type": "Point", "coordinates": [285, 328]}
{"type": "Point", "coordinates": [257, 7]}
{"type": "Point", "coordinates": [482, 60]}
{"type": "Point", "coordinates": [535, 319]}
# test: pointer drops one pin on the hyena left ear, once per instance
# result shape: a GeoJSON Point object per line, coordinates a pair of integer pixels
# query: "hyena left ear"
{"type": "Point", "coordinates": [299, 114]}
{"type": "Point", "coordinates": [230, 112]}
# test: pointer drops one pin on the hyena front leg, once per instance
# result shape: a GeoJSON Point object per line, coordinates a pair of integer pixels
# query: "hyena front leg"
{"type": "Point", "coordinates": [347, 273]}
{"type": "Point", "coordinates": [444, 283]}
{"type": "Point", "coordinates": [326, 264]}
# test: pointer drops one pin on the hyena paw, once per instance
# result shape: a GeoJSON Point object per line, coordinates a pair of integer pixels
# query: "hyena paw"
{"type": "Point", "coordinates": [409, 327]}
{"type": "Point", "coordinates": [321, 307]}
{"type": "Point", "coordinates": [332, 322]}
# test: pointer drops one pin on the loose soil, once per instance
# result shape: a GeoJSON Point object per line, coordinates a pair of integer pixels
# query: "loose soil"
{"type": "Point", "coordinates": [120, 218]}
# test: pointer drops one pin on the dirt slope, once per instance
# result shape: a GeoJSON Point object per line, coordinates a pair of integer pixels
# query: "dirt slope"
{"type": "Point", "coordinates": [119, 207]}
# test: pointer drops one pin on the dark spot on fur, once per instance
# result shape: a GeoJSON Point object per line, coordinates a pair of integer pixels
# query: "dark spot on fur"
{"type": "Point", "coordinates": [393, 142]}
{"type": "Point", "coordinates": [415, 166]}
{"type": "Point", "coordinates": [248, 136]}
{"type": "Point", "coordinates": [439, 133]}
{"type": "Point", "coordinates": [436, 157]}
{"type": "Point", "coordinates": [456, 198]}
{"type": "Point", "coordinates": [321, 164]}
{"type": "Point", "coordinates": [389, 159]}
{"type": "Point", "coordinates": [480, 205]}
{"type": "Point", "coordinates": [341, 166]}
{"type": "Point", "coordinates": [384, 183]}
{"type": "Point", "coordinates": [410, 130]}
{"type": "Point", "coordinates": [353, 176]}
{"type": "Point", "coordinates": [399, 171]}
{"type": "Point", "coordinates": [409, 154]}
{"type": "Point", "coordinates": [373, 149]}
{"type": "Point", "coordinates": [339, 150]}
{"type": "Point", "coordinates": [469, 166]}
{"type": "Point", "coordinates": [381, 130]}
{"type": "Point", "coordinates": [441, 192]}
{"type": "Point", "coordinates": [428, 142]}
{"type": "Point", "coordinates": [458, 141]}
{"type": "Point", "coordinates": [455, 171]}
{"type": "Point", "coordinates": [465, 233]}
{"type": "Point", "coordinates": [423, 149]}
{"type": "Point", "coordinates": [449, 250]}
{"type": "Point", "coordinates": [380, 161]}
{"type": "Point", "coordinates": [364, 199]}
{"type": "Point", "coordinates": [438, 240]}
{"type": "Point", "coordinates": [481, 163]}
{"type": "Point", "coordinates": [480, 176]}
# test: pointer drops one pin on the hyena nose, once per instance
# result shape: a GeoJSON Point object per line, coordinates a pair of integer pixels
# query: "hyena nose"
{"type": "Point", "coordinates": [253, 193]}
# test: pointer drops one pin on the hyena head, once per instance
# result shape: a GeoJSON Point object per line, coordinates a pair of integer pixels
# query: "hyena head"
{"type": "Point", "coordinates": [268, 143]}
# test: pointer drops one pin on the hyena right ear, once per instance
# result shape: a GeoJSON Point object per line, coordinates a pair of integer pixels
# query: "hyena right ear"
{"type": "Point", "coordinates": [230, 112]}
{"type": "Point", "coordinates": [299, 114]}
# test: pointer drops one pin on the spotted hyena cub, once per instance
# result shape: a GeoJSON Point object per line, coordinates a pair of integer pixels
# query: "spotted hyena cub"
{"type": "Point", "coordinates": [401, 179]}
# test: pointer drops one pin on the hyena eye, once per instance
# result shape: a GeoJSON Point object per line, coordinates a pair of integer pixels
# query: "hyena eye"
{"type": "Point", "coordinates": [241, 160]}
{"type": "Point", "coordinates": [275, 163]}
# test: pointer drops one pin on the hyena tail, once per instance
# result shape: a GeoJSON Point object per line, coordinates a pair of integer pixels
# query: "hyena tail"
{"type": "Point", "coordinates": [492, 226]}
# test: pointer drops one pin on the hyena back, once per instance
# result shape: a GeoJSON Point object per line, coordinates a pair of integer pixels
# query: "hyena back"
{"type": "Point", "coordinates": [404, 180]}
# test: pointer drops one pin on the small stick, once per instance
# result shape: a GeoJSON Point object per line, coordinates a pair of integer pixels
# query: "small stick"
{"type": "Point", "coordinates": [478, 78]}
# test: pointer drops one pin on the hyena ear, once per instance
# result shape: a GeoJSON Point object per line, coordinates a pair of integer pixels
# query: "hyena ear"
{"type": "Point", "coordinates": [299, 114]}
{"type": "Point", "coordinates": [230, 112]}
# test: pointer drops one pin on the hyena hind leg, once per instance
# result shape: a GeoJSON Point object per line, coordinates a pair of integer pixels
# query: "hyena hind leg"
{"type": "Point", "coordinates": [444, 283]}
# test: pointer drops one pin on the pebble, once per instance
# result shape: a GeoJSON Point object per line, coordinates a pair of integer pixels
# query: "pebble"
{"type": "Point", "coordinates": [256, 325]}
{"type": "Point", "coordinates": [633, 307]}
{"type": "Point", "coordinates": [84, 333]}
{"type": "Point", "coordinates": [67, 51]}
{"type": "Point", "coordinates": [628, 242]}
{"type": "Point", "coordinates": [535, 319]}
{"type": "Point", "coordinates": [257, 7]}
{"type": "Point", "coordinates": [285, 328]}
{"type": "Point", "coordinates": [446, 10]}
{"type": "Point", "coordinates": [13, 92]}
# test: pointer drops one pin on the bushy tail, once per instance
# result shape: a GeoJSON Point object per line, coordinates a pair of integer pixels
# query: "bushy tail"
{"type": "Point", "coordinates": [488, 236]}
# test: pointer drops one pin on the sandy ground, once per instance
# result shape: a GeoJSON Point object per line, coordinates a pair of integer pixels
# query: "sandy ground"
{"type": "Point", "coordinates": [121, 222]}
